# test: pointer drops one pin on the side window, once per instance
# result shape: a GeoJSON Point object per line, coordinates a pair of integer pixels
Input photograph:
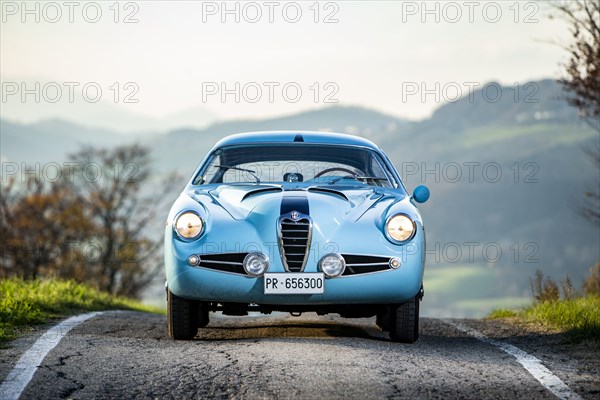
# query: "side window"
{"type": "Point", "coordinates": [378, 171]}
{"type": "Point", "coordinates": [211, 171]}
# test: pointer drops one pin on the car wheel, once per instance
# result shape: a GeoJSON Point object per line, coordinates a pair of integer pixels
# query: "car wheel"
{"type": "Point", "coordinates": [383, 320]}
{"type": "Point", "coordinates": [182, 315]}
{"type": "Point", "coordinates": [404, 321]}
{"type": "Point", "coordinates": [203, 319]}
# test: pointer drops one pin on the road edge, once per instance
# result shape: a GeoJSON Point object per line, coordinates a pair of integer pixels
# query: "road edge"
{"type": "Point", "coordinates": [531, 363]}
{"type": "Point", "coordinates": [21, 374]}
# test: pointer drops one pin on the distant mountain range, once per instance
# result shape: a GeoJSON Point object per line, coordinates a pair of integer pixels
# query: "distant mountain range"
{"type": "Point", "coordinates": [520, 160]}
{"type": "Point", "coordinates": [102, 114]}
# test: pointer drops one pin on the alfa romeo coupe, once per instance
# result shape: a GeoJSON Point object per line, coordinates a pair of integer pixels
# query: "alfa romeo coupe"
{"type": "Point", "coordinates": [296, 222]}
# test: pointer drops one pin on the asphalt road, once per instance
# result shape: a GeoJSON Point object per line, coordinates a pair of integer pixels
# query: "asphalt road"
{"type": "Point", "coordinates": [122, 355]}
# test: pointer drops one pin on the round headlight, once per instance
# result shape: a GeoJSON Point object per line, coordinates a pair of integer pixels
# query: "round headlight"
{"type": "Point", "coordinates": [332, 265]}
{"type": "Point", "coordinates": [400, 228]}
{"type": "Point", "coordinates": [189, 225]}
{"type": "Point", "coordinates": [256, 264]}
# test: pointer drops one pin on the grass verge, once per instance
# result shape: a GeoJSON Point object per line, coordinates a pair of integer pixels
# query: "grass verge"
{"type": "Point", "coordinates": [578, 318]}
{"type": "Point", "coordinates": [26, 303]}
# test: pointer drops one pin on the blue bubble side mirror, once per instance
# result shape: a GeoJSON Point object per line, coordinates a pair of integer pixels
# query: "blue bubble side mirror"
{"type": "Point", "coordinates": [421, 194]}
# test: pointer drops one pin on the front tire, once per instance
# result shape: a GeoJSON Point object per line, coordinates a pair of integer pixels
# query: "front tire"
{"type": "Point", "coordinates": [404, 321]}
{"type": "Point", "coordinates": [182, 316]}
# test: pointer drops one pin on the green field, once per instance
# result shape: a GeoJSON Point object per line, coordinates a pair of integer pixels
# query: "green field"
{"type": "Point", "coordinates": [557, 134]}
{"type": "Point", "coordinates": [465, 291]}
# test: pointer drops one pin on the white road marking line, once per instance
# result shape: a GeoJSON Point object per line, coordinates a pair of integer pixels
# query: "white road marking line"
{"type": "Point", "coordinates": [532, 364]}
{"type": "Point", "coordinates": [23, 371]}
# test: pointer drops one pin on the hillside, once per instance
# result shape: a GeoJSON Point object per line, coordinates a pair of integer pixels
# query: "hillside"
{"type": "Point", "coordinates": [50, 140]}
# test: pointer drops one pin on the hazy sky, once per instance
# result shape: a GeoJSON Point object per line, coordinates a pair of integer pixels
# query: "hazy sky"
{"type": "Point", "coordinates": [180, 54]}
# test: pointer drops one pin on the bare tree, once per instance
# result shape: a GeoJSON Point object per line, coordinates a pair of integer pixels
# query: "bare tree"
{"type": "Point", "coordinates": [95, 225]}
{"type": "Point", "coordinates": [110, 184]}
{"type": "Point", "coordinates": [581, 79]}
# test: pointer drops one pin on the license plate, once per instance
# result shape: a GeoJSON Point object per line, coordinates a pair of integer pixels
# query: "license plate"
{"type": "Point", "coordinates": [294, 283]}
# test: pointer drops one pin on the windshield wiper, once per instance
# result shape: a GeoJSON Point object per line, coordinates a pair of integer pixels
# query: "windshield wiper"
{"type": "Point", "coordinates": [357, 178]}
{"type": "Point", "coordinates": [251, 172]}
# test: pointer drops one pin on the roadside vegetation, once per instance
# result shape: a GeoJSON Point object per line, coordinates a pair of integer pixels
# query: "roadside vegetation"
{"type": "Point", "coordinates": [576, 313]}
{"type": "Point", "coordinates": [83, 239]}
{"type": "Point", "coordinates": [24, 303]}
{"type": "Point", "coordinates": [96, 222]}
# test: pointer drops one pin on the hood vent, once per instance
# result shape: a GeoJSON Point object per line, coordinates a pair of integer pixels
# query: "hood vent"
{"type": "Point", "coordinates": [261, 191]}
{"type": "Point", "coordinates": [329, 191]}
{"type": "Point", "coordinates": [294, 233]}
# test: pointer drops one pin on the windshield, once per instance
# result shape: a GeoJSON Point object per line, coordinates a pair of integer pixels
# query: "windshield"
{"type": "Point", "coordinates": [314, 164]}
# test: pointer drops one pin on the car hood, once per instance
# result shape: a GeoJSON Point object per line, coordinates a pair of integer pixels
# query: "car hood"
{"type": "Point", "coordinates": [340, 203]}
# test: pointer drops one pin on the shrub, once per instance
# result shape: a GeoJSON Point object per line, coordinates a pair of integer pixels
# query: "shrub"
{"type": "Point", "coordinates": [591, 286]}
{"type": "Point", "coordinates": [569, 291]}
{"type": "Point", "coordinates": [544, 290]}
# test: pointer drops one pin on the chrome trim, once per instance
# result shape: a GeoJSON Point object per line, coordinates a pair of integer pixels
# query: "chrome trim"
{"type": "Point", "coordinates": [391, 239]}
{"type": "Point", "coordinates": [203, 260]}
{"type": "Point", "coordinates": [369, 264]}
{"type": "Point", "coordinates": [386, 256]}
{"type": "Point", "coordinates": [280, 238]}
{"type": "Point", "coordinates": [222, 272]}
{"type": "Point", "coordinates": [395, 259]}
{"type": "Point", "coordinates": [350, 266]}
{"type": "Point", "coordinates": [364, 274]}
{"type": "Point", "coordinates": [191, 261]}
{"type": "Point", "coordinates": [220, 262]}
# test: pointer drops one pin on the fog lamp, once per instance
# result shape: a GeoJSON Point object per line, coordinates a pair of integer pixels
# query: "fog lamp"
{"type": "Point", "coordinates": [332, 265]}
{"type": "Point", "coordinates": [256, 264]}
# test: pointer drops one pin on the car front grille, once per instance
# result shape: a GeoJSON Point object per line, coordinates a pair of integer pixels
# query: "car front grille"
{"type": "Point", "coordinates": [227, 262]}
{"type": "Point", "coordinates": [359, 264]}
{"type": "Point", "coordinates": [294, 241]}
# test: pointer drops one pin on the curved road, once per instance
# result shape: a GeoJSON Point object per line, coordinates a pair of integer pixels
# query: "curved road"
{"type": "Point", "coordinates": [128, 355]}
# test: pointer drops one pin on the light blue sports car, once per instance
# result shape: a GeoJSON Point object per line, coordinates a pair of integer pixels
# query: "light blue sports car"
{"type": "Point", "coordinates": [296, 222]}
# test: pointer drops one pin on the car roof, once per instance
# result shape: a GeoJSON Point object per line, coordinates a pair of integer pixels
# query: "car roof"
{"type": "Point", "coordinates": [295, 137]}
